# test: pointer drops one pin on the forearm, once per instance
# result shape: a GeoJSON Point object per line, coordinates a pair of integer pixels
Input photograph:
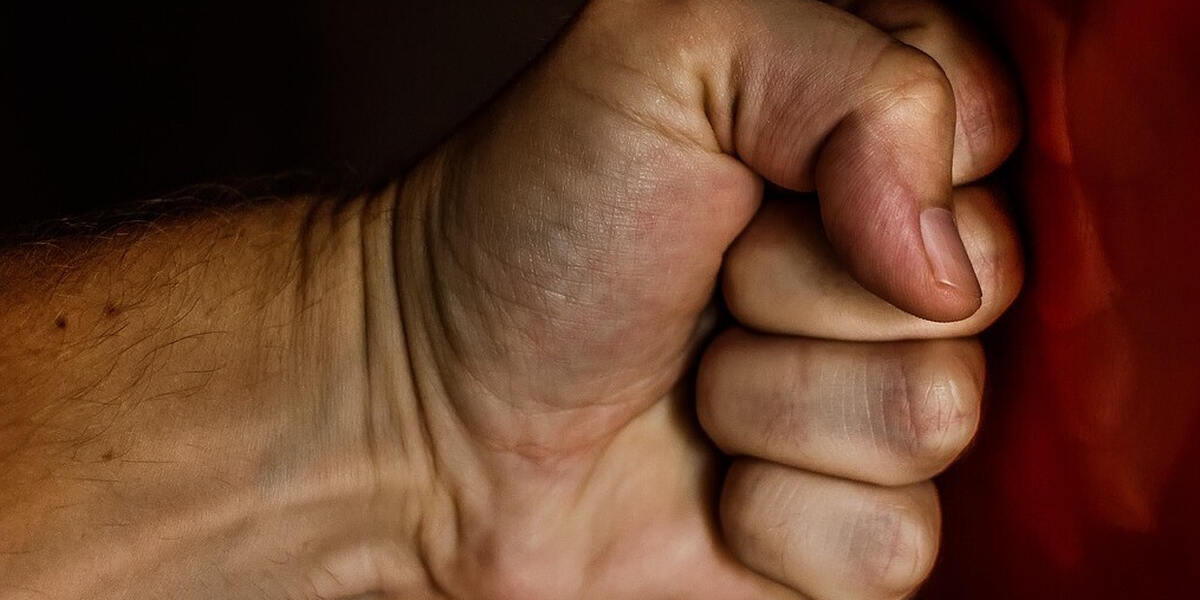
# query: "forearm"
{"type": "Point", "coordinates": [188, 400]}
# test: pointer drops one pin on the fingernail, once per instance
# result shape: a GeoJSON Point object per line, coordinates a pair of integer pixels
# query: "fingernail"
{"type": "Point", "coordinates": [944, 249]}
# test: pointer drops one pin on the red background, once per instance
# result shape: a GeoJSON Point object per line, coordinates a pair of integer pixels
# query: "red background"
{"type": "Point", "coordinates": [1084, 482]}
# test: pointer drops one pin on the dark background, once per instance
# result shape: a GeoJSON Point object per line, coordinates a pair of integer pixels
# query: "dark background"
{"type": "Point", "coordinates": [104, 104]}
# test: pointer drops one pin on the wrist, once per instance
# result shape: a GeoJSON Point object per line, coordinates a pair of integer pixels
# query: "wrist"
{"type": "Point", "coordinates": [205, 412]}
{"type": "Point", "coordinates": [363, 463]}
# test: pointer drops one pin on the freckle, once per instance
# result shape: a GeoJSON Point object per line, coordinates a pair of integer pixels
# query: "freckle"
{"type": "Point", "coordinates": [110, 309]}
{"type": "Point", "coordinates": [60, 322]}
{"type": "Point", "coordinates": [107, 456]}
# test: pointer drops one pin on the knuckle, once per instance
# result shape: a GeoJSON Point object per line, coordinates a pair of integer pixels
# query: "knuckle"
{"type": "Point", "coordinates": [904, 78]}
{"type": "Point", "coordinates": [989, 121]}
{"type": "Point", "coordinates": [939, 408]}
{"type": "Point", "coordinates": [980, 116]}
{"type": "Point", "coordinates": [895, 546]}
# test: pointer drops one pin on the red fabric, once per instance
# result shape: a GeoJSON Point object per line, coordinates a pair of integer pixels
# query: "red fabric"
{"type": "Point", "coordinates": [1085, 481]}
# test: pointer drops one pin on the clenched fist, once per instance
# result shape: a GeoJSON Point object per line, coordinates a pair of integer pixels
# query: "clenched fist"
{"type": "Point", "coordinates": [499, 380]}
{"type": "Point", "coordinates": [557, 256]}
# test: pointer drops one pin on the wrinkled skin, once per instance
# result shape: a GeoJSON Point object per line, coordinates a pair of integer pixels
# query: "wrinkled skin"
{"type": "Point", "coordinates": [572, 237]}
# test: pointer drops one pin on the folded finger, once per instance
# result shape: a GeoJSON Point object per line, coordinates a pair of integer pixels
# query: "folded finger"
{"type": "Point", "coordinates": [887, 413]}
{"type": "Point", "coordinates": [830, 538]}
{"type": "Point", "coordinates": [782, 275]}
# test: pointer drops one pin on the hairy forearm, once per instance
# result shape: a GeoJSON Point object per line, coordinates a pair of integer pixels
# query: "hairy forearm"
{"type": "Point", "coordinates": [190, 401]}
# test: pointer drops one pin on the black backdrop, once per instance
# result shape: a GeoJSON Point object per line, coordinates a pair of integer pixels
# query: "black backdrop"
{"type": "Point", "coordinates": [103, 104]}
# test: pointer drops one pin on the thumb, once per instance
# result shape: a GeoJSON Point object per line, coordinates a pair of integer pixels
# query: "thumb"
{"type": "Point", "coordinates": [868, 123]}
{"type": "Point", "coordinates": [884, 183]}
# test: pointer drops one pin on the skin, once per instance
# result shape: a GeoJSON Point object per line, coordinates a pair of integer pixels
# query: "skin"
{"type": "Point", "coordinates": [483, 382]}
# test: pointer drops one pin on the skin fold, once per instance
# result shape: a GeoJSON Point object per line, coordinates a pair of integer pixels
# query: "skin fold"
{"type": "Point", "coordinates": [494, 379]}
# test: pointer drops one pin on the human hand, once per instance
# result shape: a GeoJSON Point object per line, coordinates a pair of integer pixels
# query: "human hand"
{"type": "Point", "coordinates": [556, 258]}
{"type": "Point", "coordinates": [480, 384]}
